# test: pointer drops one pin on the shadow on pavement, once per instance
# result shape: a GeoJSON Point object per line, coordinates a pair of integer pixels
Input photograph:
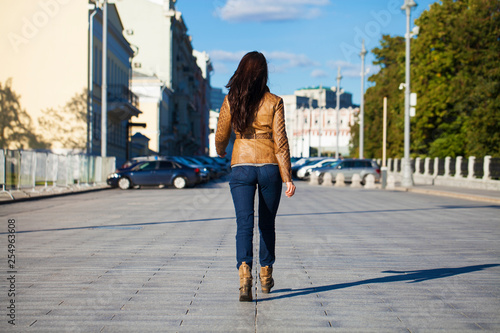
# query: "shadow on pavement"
{"type": "Point", "coordinates": [409, 276]}
{"type": "Point", "coordinates": [390, 210]}
{"type": "Point", "coordinates": [130, 225]}
{"type": "Point", "coordinates": [122, 226]}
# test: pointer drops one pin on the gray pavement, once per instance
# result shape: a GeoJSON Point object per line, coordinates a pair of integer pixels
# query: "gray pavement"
{"type": "Point", "coordinates": [456, 192]}
{"type": "Point", "coordinates": [162, 260]}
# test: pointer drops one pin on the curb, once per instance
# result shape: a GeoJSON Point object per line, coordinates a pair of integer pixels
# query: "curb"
{"type": "Point", "coordinates": [40, 196]}
{"type": "Point", "coordinates": [472, 197]}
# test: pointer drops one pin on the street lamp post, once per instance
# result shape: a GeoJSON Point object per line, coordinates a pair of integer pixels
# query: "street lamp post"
{"type": "Point", "coordinates": [407, 180]}
{"type": "Point", "coordinates": [104, 94]}
{"type": "Point", "coordinates": [320, 120]}
{"type": "Point", "coordinates": [302, 130]}
{"type": "Point", "coordinates": [90, 107]}
{"type": "Point", "coordinates": [339, 77]}
{"type": "Point", "coordinates": [362, 106]}
{"type": "Point", "coordinates": [310, 126]}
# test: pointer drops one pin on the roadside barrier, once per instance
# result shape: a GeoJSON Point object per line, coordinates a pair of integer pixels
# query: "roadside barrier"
{"type": "Point", "coordinates": [327, 179]}
{"type": "Point", "coordinates": [356, 180]}
{"type": "Point", "coordinates": [340, 180]}
{"type": "Point", "coordinates": [27, 170]}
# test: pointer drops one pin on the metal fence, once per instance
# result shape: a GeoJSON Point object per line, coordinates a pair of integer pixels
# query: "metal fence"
{"type": "Point", "coordinates": [25, 169]}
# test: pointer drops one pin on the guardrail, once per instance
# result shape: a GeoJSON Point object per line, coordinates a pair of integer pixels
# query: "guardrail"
{"type": "Point", "coordinates": [459, 172]}
{"type": "Point", "coordinates": [22, 170]}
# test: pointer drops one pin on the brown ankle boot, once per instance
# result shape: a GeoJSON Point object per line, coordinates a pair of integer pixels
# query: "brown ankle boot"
{"type": "Point", "coordinates": [266, 279]}
{"type": "Point", "coordinates": [245, 283]}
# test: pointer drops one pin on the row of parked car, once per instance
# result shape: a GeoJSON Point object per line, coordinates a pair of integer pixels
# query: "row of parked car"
{"type": "Point", "coordinates": [176, 171]}
{"type": "Point", "coordinates": [305, 167]}
{"type": "Point", "coordinates": [187, 171]}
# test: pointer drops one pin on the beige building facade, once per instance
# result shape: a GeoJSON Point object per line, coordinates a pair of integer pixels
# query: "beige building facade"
{"type": "Point", "coordinates": [44, 51]}
{"type": "Point", "coordinates": [53, 52]}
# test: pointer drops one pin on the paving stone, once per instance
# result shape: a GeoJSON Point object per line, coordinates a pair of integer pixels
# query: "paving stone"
{"type": "Point", "coordinates": [348, 260]}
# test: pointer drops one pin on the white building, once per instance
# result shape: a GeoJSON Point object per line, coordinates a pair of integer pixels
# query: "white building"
{"type": "Point", "coordinates": [311, 126]}
{"type": "Point", "coordinates": [154, 102]}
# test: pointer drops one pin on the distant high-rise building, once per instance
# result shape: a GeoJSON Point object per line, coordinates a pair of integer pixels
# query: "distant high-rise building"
{"type": "Point", "coordinates": [326, 97]}
{"type": "Point", "coordinates": [216, 99]}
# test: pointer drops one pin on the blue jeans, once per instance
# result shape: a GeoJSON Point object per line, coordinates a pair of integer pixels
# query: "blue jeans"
{"type": "Point", "coordinates": [244, 181]}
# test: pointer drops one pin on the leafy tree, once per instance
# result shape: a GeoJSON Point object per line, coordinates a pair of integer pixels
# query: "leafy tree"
{"type": "Point", "coordinates": [390, 58]}
{"type": "Point", "coordinates": [16, 131]}
{"type": "Point", "coordinates": [456, 75]}
{"type": "Point", "coordinates": [67, 126]}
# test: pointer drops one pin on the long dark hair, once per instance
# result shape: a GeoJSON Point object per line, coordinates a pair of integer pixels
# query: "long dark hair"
{"type": "Point", "coordinates": [246, 87]}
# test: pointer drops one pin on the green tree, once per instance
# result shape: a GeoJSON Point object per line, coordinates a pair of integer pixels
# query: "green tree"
{"type": "Point", "coordinates": [67, 126]}
{"type": "Point", "coordinates": [16, 131]}
{"type": "Point", "coordinates": [456, 75]}
{"type": "Point", "coordinates": [390, 58]}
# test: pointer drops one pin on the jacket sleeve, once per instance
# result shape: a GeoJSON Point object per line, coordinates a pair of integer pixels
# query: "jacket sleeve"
{"type": "Point", "coordinates": [223, 132]}
{"type": "Point", "coordinates": [281, 148]}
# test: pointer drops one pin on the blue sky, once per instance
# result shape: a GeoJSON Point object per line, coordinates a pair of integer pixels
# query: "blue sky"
{"type": "Point", "coordinates": [304, 40]}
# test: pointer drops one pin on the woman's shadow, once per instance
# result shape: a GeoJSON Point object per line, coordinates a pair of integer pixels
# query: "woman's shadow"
{"type": "Point", "coordinates": [410, 276]}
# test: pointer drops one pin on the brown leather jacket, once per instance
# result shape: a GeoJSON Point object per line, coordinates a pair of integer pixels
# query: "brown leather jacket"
{"type": "Point", "coordinates": [265, 141]}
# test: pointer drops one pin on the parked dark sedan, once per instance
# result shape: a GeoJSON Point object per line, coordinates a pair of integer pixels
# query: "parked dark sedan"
{"type": "Point", "coordinates": [151, 173]}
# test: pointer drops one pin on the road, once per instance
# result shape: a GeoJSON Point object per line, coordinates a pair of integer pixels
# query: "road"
{"type": "Point", "coordinates": [162, 260]}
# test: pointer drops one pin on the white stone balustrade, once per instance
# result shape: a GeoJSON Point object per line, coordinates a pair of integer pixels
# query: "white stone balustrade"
{"type": "Point", "coordinates": [370, 181]}
{"type": "Point", "coordinates": [313, 179]}
{"type": "Point", "coordinates": [467, 179]}
{"type": "Point", "coordinates": [458, 167]}
{"type": "Point", "coordinates": [472, 160]}
{"type": "Point", "coordinates": [340, 180]}
{"type": "Point", "coordinates": [486, 167]}
{"type": "Point", "coordinates": [356, 180]}
{"type": "Point", "coordinates": [327, 179]}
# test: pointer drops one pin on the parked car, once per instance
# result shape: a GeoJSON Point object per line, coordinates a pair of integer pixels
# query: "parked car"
{"type": "Point", "coordinates": [218, 168]}
{"type": "Point", "coordinates": [304, 162]}
{"type": "Point", "coordinates": [213, 170]}
{"type": "Point", "coordinates": [204, 172]}
{"type": "Point", "coordinates": [349, 167]}
{"type": "Point", "coordinates": [150, 173]}
{"type": "Point", "coordinates": [305, 171]}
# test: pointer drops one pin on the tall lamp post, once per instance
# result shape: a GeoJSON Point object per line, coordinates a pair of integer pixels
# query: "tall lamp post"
{"type": "Point", "coordinates": [310, 126]}
{"type": "Point", "coordinates": [90, 95]}
{"type": "Point", "coordinates": [320, 108]}
{"type": "Point", "coordinates": [302, 129]}
{"type": "Point", "coordinates": [362, 106]}
{"type": "Point", "coordinates": [339, 77]}
{"type": "Point", "coordinates": [407, 180]}
{"type": "Point", "coordinates": [104, 94]}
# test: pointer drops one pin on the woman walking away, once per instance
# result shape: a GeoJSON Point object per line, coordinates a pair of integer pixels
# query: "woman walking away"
{"type": "Point", "coordinates": [260, 161]}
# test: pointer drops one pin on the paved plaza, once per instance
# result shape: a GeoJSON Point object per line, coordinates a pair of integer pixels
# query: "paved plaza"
{"type": "Point", "coordinates": [163, 260]}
